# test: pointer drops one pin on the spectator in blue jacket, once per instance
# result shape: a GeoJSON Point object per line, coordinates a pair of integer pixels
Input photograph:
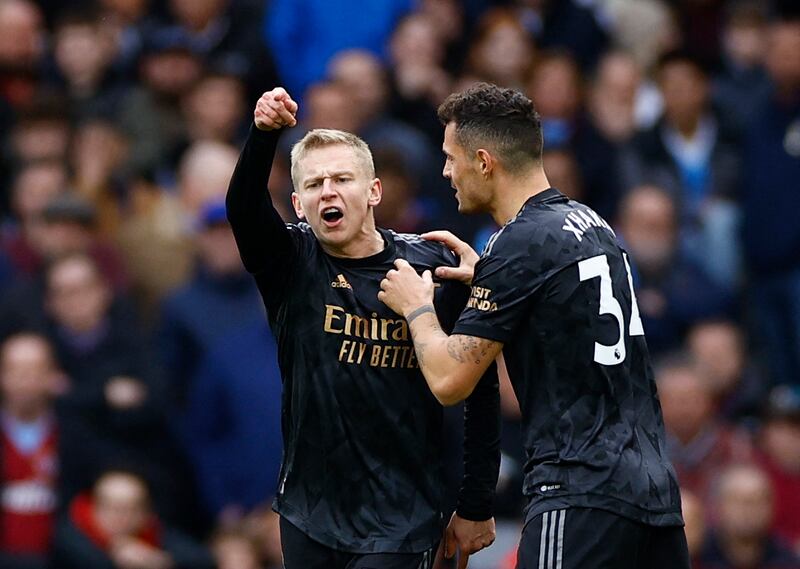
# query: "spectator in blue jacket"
{"type": "Point", "coordinates": [232, 422]}
{"type": "Point", "coordinates": [219, 298]}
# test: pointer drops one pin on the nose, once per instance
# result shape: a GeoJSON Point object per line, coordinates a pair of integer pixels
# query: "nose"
{"type": "Point", "coordinates": [327, 189]}
{"type": "Point", "coordinates": [446, 171]}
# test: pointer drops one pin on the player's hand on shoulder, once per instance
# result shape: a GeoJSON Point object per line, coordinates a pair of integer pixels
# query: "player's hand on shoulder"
{"type": "Point", "coordinates": [467, 257]}
{"type": "Point", "coordinates": [466, 537]}
{"type": "Point", "coordinates": [275, 109]}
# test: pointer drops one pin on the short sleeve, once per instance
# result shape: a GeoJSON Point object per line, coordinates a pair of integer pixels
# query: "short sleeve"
{"type": "Point", "coordinates": [501, 292]}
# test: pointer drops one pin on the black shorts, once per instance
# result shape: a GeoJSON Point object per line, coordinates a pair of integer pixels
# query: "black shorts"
{"type": "Point", "coordinates": [302, 552]}
{"type": "Point", "coordinates": [586, 538]}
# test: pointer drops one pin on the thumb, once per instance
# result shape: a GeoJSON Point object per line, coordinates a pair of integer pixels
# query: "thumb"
{"type": "Point", "coordinates": [427, 277]}
{"type": "Point", "coordinates": [279, 94]}
{"type": "Point", "coordinates": [447, 272]}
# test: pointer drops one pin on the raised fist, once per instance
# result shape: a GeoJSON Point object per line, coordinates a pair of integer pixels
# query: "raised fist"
{"type": "Point", "coordinates": [275, 109]}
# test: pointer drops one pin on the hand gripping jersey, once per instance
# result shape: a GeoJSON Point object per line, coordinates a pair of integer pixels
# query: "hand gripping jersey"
{"type": "Point", "coordinates": [362, 433]}
{"type": "Point", "coordinates": [555, 287]}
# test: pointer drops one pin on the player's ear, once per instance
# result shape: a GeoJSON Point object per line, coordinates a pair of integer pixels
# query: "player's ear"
{"type": "Point", "coordinates": [298, 207]}
{"type": "Point", "coordinates": [486, 161]}
{"type": "Point", "coordinates": [375, 192]}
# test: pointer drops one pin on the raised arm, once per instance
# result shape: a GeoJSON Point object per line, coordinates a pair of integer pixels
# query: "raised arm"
{"type": "Point", "coordinates": [261, 234]}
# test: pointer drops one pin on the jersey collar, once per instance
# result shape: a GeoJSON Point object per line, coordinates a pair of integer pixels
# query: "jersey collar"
{"type": "Point", "coordinates": [373, 260]}
{"type": "Point", "coordinates": [547, 196]}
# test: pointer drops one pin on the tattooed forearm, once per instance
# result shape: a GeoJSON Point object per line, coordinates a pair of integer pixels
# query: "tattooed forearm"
{"type": "Point", "coordinates": [462, 348]}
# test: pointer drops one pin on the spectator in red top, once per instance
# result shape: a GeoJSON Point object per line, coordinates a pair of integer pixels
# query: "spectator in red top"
{"type": "Point", "coordinates": [742, 539]}
{"type": "Point", "coordinates": [780, 443]}
{"type": "Point", "coordinates": [28, 451]}
{"type": "Point", "coordinates": [114, 527]}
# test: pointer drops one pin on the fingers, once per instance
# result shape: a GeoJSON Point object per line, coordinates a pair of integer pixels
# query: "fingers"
{"type": "Point", "coordinates": [401, 264]}
{"type": "Point", "coordinates": [463, 559]}
{"type": "Point", "coordinates": [454, 273]}
{"type": "Point", "coordinates": [275, 109]}
{"type": "Point", "coordinates": [450, 542]}
{"type": "Point", "coordinates": [453, 243]}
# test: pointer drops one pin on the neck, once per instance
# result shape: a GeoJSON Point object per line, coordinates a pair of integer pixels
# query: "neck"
{"type": "Point", "coordinates": [368, 242]}
{"type": "Point", "coordinates": [688, 127]}
{"type": "Point", "coordinates": [516, 190]}
{"type": "Point", "coordinates": [27, 415]}
{"type": "Point", "coordinates": [744, 552]}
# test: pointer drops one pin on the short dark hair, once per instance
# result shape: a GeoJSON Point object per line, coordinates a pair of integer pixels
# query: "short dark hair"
{"type": "Point", "coordinates": [683, 56]}
{"type": "Point", "coordinates": [502, 119]}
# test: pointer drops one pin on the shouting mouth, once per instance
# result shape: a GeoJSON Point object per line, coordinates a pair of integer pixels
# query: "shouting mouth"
{"type": "Point", "coordinates": [332, 216]}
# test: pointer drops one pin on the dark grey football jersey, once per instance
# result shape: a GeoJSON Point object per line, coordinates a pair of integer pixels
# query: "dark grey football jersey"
{"type": "Point", "coordinates": [362, 464]}
{"type": "Point", "coordinates": [555, 287]}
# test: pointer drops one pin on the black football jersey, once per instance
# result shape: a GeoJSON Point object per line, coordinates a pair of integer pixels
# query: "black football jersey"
{"type": "Point", "coordinates": [362, 432]}
{"type": "Point", "coordinates": [555, 287]}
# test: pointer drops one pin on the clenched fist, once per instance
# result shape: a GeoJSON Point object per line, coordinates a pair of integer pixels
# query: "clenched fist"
{"type": "Point", "coordinates": [275, 109]}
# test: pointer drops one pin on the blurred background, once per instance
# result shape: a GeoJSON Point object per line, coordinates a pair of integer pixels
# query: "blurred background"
{"type": "Point", "coordinates": [139, 391]}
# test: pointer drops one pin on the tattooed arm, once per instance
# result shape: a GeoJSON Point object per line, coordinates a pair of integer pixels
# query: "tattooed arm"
{"type": "Point", "coordinates": [452, 365]}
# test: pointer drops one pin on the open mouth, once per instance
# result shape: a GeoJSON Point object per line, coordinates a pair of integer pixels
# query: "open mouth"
{"type": "Point", "coordinates": [332, 215]}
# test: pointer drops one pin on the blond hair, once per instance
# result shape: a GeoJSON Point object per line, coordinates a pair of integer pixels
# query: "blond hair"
{"type": "Point", "coordinates": [321, 137]}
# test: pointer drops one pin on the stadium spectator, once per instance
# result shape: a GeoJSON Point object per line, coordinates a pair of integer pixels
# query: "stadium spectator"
{"type": "Point", "coordinates": [419, 81]}
{"type": "Point", "coordinates": [203, 174]}
{"type": "Point", "coordinates": [115, 407]}
{"type": "Point", "coordinates": [29, 461]}
{"type": "Point", "coordinates": [149, 113]}
{"type": "Point", "coordinates": [115, 527]}
{"type": "Point", "coordinates": [742, 537]}
{"type": "Point", "coordinates": [221, 291]}
{"type": "Point", "coordinates": [718, 347]}
{"type": "Point", "coordinates": [700, 446]}
{"type": "Point", "coordinates": [571, 25]}
{"type": "Point", "coordinates": [34, 186]}
{"type": "Point", "coordinates": [672, 292]}
{"type": "Point", "coordinates": [317, 30]}
{"type": "Point", "coordinates": [780, 446]}
{"type": "Point", "coordinates": [609, 123]}
{"type": "Point", "coordinates": [232, 422]}
{"type": "Point", "coordinates": [42, 130]}
{"type": "Point", "coordinates": [157, 250]}
{"type": "Point", "coordinates": [742, 83]}
{"type": "Point", "coordinates": [772, 168]}
{"type": "Point", "coordinates": [693, 155]}
{"type": "Point", "coordinates": [214, 107]}
{"type": "Point", "coordinates": [226, 34]}
{"type": "Point", "coordinates": [65, 227]}
{"type": "Point", "coordinates": [83, 53]}
{"type": "Point", "coordinates": [502, 51]}
{"type": "Point", "coordinates": [401, 208]}
{"type": "Point", "coordinates": [22, 43]}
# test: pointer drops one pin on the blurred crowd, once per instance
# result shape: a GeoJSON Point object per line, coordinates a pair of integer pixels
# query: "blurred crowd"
{"type": "Point", "coordinates": [139, 389]}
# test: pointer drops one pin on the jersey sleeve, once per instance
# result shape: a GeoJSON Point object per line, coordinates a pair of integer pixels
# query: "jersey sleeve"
{"type": "Point", "coordinates": [501, 290]}
{"type": "Point", "coordinates": [481, 449]}
{"type": "Point", "coordinates": [266, 243]}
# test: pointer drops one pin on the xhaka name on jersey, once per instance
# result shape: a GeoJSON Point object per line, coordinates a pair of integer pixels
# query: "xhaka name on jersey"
{"type": "Point", "coordinates": [580, 220]}
{"type": "Point", "coordinates": [398, 353]}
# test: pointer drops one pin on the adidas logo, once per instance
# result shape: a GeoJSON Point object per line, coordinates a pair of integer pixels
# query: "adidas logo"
{"type": "Point", "coordinates": [341, 282]}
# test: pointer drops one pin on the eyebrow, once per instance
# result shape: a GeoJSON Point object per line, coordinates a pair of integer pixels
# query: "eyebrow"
{"type": "Point", "coordinates": [335, 174]}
